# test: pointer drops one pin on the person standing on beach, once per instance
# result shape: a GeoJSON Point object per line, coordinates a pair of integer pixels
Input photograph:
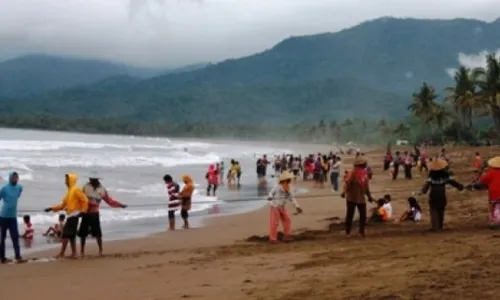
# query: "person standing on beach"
{"type": "Point", "coordinates": [278, 197]}
{"type": "Point", "coordinates": [173, 199]}
{"type": "Point", "coordinates": [75, 203]}
{"type": "Point", "coordinates": [335, 172]}
{"type": "Point", "coordinates": [212, 178]}
{"type": "Point", "coordinates": [91, 222]}
{"type": "Point", "coordinates": [185, 195]}
{"type": "Point", "coordinates": [439, 177]}
{"type": "Point", "coordinates": [355, 189]}
{"type": "Point", "coordinates": [9, 195]}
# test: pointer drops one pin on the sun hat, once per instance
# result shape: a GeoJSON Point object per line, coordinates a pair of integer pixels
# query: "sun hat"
{"type": "Point", "coordinates": [438, 164]}
{"type": "Point", "coordinates": [494, 162]}
{"type": "Point", "coordinates": [286, 176]}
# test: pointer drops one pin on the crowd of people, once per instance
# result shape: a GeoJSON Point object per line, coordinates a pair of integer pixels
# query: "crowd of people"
{"type": "Point", "coordinates": [81, 204]}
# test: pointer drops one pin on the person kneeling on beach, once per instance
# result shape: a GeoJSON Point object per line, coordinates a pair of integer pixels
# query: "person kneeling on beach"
{"type": "Point", "coordinates": [75, 203]}
{"type": "Point", "coordinates": [278, 197]}
{"type": "Point", "coordinates": [91, 221]}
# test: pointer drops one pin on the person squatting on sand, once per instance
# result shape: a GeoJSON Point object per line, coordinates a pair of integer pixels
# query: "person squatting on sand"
{"type": "Point", "coordinates": [74, 203]}
{"type": "Point", "coordinates": [173, 199]}
{"type": "Point", "coordinates": [91, 222]}
{"type": "Point", "coordinates": [9, 195]}
{"type": "Point", "coordinates": [278, 198]}
{"type": "Point", "coordinates": [356, 187]}
{"type": "Point", "coordinates": [491, 179]}
{"type": "Point", "coordinates": [439, 177]}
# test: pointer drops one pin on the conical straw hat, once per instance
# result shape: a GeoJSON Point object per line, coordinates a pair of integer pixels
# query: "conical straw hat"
{"type": "Point", "coordinates": [494, 162]}
{"type": "Point", "coordinates": [438, 164]}
{"type": "Point", "coordinates": [286, 176]}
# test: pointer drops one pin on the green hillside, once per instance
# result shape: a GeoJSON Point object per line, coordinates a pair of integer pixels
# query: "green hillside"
{"type": "Point", "coordinates": [369, 70]}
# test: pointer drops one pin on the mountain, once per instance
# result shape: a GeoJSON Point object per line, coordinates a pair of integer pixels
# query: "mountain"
{"type": "Point", "coordinates": [370, 70]}
{"type": "Point", "coordinates": [388, 53]}
{"type": "Point", "coordinates": [32, 74]}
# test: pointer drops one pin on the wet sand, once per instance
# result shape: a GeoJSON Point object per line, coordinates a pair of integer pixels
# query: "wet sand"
{"type": "Point", "coordinates": [394, 261]}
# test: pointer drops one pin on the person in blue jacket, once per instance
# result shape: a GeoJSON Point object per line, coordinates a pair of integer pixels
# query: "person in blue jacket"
{"type": "Point", "coordinates": [9, 196]}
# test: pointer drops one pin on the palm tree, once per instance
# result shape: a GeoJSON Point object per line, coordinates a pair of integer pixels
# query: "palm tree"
{"type": "Point", "coordinates": [423, 105]}
{"type": "Point", "coordinates": [462, 96]}
{"type": "Point", "coordinates": [402, 131]}
{"type": "Point", "coordinates": [488, 80]}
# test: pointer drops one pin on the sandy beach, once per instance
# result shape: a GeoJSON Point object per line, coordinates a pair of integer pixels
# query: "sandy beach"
{"type": "Point", "coordinates": [394, 261]}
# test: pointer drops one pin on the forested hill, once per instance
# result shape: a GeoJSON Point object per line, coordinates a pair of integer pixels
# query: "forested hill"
{"type": "Point", "coordinates": [31, 74]}
{"type": "Point", "coordinates": [368, 70]}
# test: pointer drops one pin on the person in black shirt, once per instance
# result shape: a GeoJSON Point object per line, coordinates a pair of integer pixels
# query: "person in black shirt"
{"type": "Point", "coordinates": [439, 177]}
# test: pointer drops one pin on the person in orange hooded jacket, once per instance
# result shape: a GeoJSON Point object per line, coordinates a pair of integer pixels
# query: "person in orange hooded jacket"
{"type": "Point", "coordinates": [74, 203]}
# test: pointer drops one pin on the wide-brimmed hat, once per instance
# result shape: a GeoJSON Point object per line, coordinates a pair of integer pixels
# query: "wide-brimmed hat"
{"type": "Point", "coordinates": [360, 160]}
{"type": "Point", "coordinates": [494, 162]}
{"type": "Point", "coordinates": [94, 175]}
{"type": "Point", "coordinates": [286, 176]}
{"type": "Point", "coordinates": [438, 164]}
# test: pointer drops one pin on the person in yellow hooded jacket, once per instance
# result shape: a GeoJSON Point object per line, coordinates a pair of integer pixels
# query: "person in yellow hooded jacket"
{"type": "Point", "coordinates": [74, 203]}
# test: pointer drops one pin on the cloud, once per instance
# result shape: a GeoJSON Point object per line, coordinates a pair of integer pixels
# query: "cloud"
{"type": "Point", "coordinates": [177, 32]}
{"type": "Point", "coordinates": [471, 61]}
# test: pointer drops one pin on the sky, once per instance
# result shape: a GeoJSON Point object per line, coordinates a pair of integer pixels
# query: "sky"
{"type": "Point", "coordinates": [168, 33]}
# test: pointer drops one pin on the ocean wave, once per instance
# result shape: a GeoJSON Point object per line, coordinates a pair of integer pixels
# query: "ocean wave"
{"type": "Point", "coordinates": [110, 160]}
{"type": "Point", "coordinates": [33, 145]}
{"type": "Point", "coordinates": [25, 173]}
{"type": "Point", "coordinates": [107, 215]}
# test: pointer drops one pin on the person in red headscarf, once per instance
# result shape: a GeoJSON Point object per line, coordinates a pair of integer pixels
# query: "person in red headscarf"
{"type": "Point", "coordinates": [212, 177]}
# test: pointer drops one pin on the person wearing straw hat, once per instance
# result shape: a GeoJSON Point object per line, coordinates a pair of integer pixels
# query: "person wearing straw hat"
{"type": "Point", "coordinates": [91, 222]}
{"type": "Point", "coordinates": [439, 177]}
{"type": "Point", "coordinates": [491, 179]}
{"type": "Point", "coordinates": [356, 188]}
{"type": "Point", "coordinates": [278, 198]}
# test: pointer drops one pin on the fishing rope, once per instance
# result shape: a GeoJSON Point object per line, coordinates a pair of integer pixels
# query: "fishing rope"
{"type": "Point", "coordinates": [221, 201]}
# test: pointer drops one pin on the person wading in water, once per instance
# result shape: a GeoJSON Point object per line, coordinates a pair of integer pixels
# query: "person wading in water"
{"type": "Point", "coordinates": [91, 222]}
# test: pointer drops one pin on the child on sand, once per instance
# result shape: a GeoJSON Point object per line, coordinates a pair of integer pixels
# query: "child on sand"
{"type": "Point", "coordinates": [379, 213]}
{"type": "Point", "coordinates": [29, 232]}
{"type": "Point", "coordinates": [387, 204]}
{"type": "Point", "coordinates": [56, 230]}
{"type": "Point", "coordinates": [278, 198]}
{"type": "Point", "coordinates": [414, 212]}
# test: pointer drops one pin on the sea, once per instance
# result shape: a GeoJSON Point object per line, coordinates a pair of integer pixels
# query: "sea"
{"type": "Point", "coordinates": [131, 169]}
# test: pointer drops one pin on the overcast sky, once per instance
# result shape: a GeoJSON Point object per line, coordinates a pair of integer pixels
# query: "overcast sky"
{"type": "Point", "coordinates": [176, 32]}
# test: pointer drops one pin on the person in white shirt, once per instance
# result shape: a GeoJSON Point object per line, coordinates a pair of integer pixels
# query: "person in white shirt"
{"type": "Point", "coordinates": [387, 205]}
{"type": "Point", "coordinates": [335, 173]}
{"type": "Point", "coordinates": [279, 196]}
{"type": "Point", "coordinates": [414, 212]}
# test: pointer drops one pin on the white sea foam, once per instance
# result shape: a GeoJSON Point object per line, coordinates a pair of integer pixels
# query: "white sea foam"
{"type": "Point", "coordinates": [33, 145]}
{"type": "Point", "coordinates": [110, 160]}
{"type": "Point", "coordinates": [138, 212]}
